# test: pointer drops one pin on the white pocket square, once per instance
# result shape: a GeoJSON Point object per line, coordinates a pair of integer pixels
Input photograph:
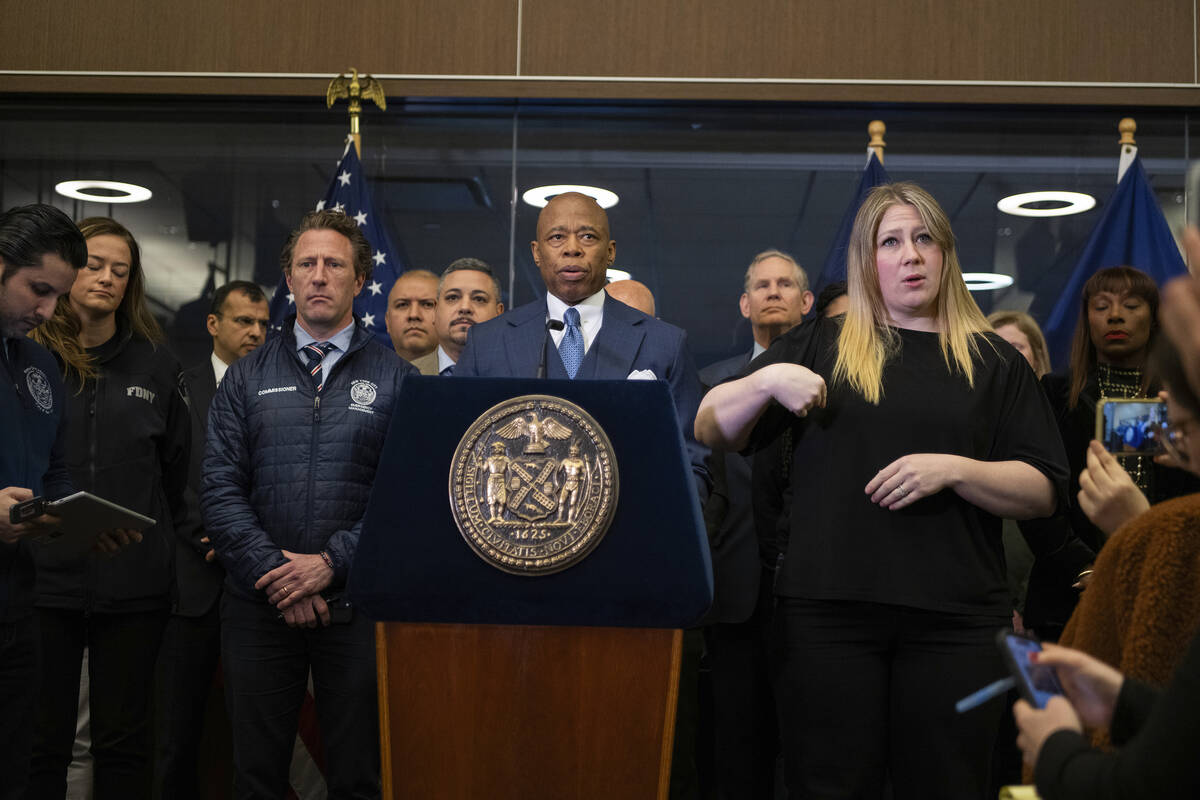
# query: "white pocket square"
{"type": "Point", "coordinates": [642, 375]}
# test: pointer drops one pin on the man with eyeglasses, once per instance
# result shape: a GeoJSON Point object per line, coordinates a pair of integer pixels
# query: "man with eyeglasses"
{"type": "Point", "coordinates": [191, 645]}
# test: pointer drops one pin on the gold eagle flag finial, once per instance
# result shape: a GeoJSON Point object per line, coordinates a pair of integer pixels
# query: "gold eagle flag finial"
{"type": "Point", "coordinates": [355, 89]}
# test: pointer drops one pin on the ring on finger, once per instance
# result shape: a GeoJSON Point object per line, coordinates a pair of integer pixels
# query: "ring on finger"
{"type": "Point", "coordinates": [903, 492]}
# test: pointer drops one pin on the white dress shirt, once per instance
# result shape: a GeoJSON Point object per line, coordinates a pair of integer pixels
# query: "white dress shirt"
{"type": "Point", "coordinates": [591, 317]}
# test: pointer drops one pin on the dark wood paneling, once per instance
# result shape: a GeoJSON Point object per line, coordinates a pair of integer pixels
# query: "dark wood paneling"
{"type": "Point", "coordinates": [1101, 41]}
{"type": "Point", "coordinates": [302, 36]}
{"type": "Point", "coordinates": [1066, 40]}
{"type": "Point", "coordinates": [517, 712]}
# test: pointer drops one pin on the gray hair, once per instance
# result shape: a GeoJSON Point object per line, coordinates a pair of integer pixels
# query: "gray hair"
{"type": "Point", "coordinates": [800, 275]}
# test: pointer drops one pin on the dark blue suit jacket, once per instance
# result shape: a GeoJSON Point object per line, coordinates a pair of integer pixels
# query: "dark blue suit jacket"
{"type": "Point", "coordinates": [514, 344]}
{"type": "Point", "coordinates": [197, 582]}
{"type": "Point", "coordinates": [737, 567]}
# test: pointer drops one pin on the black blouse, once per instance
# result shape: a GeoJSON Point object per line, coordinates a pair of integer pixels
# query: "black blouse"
{"type": "Point", "coordinates": [940, 553]}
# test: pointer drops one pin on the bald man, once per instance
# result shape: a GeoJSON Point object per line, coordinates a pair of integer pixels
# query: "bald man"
{"type": "Point", "coordinates": [410, 313]}
{"type": "Point", "coordinates": [634, 294]}
{"type": "Point", "coordinates": [573, 251]}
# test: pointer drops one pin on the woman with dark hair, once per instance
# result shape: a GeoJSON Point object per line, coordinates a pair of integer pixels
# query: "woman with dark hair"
{"type": "Point", "coordinates": [915, 430]}
{"type": "Point", "coordinates": [1116, 331]}
{"type": "Point", "coordinates": [128, 438]}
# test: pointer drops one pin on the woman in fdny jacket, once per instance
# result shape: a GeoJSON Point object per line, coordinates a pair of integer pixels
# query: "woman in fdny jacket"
{"type": "Point", "coordinates": [128, 441]}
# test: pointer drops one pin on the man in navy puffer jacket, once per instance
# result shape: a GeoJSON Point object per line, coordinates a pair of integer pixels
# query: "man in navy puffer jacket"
{"type": "Point", "coordinates": [295, 432]}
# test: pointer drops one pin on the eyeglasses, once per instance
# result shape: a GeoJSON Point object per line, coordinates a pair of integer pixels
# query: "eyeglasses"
{"type": "Point", "coordinates": [1174, 439]}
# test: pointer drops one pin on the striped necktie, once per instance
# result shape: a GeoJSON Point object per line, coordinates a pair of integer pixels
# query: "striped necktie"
{"type": "Point", "coordinates": [314, 355]}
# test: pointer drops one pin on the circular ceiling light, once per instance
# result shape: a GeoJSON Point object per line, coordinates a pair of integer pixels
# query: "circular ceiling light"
{"type": "Point", "coordinates": [1071, 203]}
{"type": "Point", "coordinates": [118, 192]}
{"type": "Point", "coordinates": [617, 275]}
{"type": "Point", "coordinates": [986, 281]}
{"type": "Point", "coordinates": [540, 195]}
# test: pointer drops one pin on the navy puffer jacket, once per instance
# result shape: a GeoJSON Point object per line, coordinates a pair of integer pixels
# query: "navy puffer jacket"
{"type": "Point", "coordinates": [283, 471]}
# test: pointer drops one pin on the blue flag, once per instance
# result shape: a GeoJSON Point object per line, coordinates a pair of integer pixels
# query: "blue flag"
{"type": "Point", "coordinates": [1131, 232]}
{"type": "Point", "coordinates": [835, 263]}
{"type": "Point", "coordinates": [348, 193]}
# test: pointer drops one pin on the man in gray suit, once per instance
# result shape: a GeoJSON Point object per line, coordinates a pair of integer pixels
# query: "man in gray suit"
{"type": "Point", "coordinates": [191, 644]}
{"type": "Point", "coordinates": [468, 294]}
{"type": "Point", "coordinates": [775, 297]}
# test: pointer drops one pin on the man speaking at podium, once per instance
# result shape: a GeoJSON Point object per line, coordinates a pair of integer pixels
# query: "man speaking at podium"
{"type": "Point", "coordinates": [578, 331]}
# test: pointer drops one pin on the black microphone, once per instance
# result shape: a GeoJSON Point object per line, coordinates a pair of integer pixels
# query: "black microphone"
{"type": "Point", "coordinates": [551, 325]}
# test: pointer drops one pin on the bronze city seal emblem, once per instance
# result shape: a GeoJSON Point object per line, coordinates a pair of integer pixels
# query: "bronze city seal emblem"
{"type": "Point", "coordinates": [533, 485]}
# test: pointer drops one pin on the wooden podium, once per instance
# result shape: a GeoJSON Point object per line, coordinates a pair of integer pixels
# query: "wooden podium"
{"type": "Point", "coordinates": [512, 711]}
{"type": "Point", "coordinates": [554, 686]}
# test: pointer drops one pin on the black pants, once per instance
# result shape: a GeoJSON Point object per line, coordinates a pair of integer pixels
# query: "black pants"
{"type": "Point", "coordinates": [187, 663]}
{"type": "Point", "coordinates": [744, 721]}
{"type": "Point", "coordinates": [18, 673]}
{"type": "Point", "coordinates": [266, 673]}
{"type": "Point", "coordinates": [121, 652]}
{"type": "Point", "coordinates": [867, 690]}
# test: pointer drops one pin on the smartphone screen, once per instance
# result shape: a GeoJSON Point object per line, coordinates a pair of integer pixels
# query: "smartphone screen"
{"type": "Point", "coordinates": [1130, 427]}
{"type": "Point", "coordinates": [1037, 683]}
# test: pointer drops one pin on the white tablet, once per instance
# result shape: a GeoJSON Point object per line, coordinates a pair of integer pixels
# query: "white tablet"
{"type": "Point", "coordinates": [84, 516]}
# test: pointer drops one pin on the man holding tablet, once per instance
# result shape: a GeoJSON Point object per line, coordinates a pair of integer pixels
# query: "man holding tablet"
{"type": "Point", "coordinates": [40, 252]}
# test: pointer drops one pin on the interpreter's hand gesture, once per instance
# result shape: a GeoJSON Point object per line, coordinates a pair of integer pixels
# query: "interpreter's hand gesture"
{"type": "Point", "coordinates": [1107, 495]}
{"type": "Point", "coordinates": [796, 388]}
{"type": "Point", "coordinates": [909, 478]}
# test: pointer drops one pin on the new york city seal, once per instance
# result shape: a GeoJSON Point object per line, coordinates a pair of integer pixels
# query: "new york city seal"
{"type": "Point", "coordinates": [533, 485]}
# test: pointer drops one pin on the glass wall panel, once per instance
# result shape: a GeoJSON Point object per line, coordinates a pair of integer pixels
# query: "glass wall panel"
{"type": "Point", "coordinates": [702, 186]}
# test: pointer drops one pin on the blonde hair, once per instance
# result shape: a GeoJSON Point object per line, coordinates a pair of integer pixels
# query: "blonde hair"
{"type": "Point", "coordinates": [866, 341]}
{"type": "Point", "coordinates": [1028, 326]}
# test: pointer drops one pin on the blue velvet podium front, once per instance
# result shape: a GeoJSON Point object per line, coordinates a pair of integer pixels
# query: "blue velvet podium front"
{"type": "Point", "coordinates": [650, 570]}
{"type": "Point", "coordinates": [499, 685]}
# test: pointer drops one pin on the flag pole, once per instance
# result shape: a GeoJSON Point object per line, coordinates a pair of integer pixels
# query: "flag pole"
{"type": "Point", "coordinates": [876, 129]}
{"type": "Point", "coordinates": [355, 89]}
{"type": "Point", "coordinates": [1127, 127]}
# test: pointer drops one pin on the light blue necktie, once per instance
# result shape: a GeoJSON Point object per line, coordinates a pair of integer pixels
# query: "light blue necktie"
{"type": "Point", "coordinates": [571, 346]}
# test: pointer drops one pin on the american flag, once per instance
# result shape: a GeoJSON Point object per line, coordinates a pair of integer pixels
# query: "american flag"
{"type": "Point", "coordinates": [348, 192]}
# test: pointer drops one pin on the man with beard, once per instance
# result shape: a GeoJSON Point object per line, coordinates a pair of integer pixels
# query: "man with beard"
{"type": "Point", "coordinates": [468, 294]}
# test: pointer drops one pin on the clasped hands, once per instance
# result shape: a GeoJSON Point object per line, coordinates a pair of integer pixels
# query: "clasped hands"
{"type": "Point", "coordinates": [295, 589]}
{"type": "Point", "coordinates": [899, 484]}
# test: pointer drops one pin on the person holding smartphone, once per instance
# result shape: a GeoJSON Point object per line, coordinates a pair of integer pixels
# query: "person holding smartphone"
{"type": "Point", "coordinates": [915, 431]}
{"type": "Point", "coordinates": [1157, 732]}
{"type": "Point", "coordinates": [1116, 330]}
{"type": "Point", "coordinates": [128, 440]}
